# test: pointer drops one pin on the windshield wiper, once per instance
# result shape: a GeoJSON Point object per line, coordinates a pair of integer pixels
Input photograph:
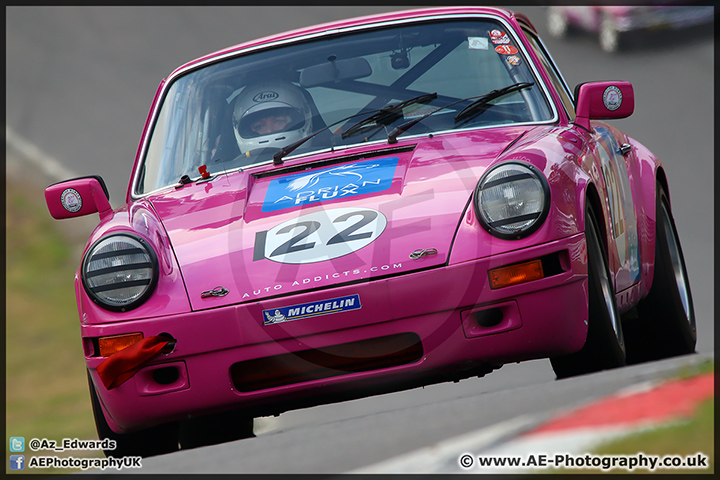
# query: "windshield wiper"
{"type": "Point", "coordinates": [385, 111]}
{"type": "Point", "coordinates": [286, 150]}
{"type": "Point", "coordinates": [481, 100]}
{"type": "Point", "coordinates": [480, 105]}
{"type": "Point", "coordinates": [394, 111]}
{"type": "Point", "coordinates": [387, 114]}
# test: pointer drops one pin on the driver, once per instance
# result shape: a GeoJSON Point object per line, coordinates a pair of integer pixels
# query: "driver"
{"type": "Point", "coordinates": [271, 114]}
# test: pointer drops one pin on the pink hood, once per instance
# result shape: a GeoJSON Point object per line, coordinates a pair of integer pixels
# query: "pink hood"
{"type": "Point", "coordinates": [327, 219]}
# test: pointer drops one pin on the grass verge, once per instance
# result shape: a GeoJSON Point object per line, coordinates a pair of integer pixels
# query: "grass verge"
{"type": "Point", "coordinates": [46, 387]}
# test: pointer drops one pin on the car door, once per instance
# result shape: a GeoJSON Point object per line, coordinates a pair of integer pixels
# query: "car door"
{"type": "Point", "coordinates": [612, 153]}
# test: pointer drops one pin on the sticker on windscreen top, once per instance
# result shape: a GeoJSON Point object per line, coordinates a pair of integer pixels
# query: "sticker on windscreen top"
{"type": "Point", "coordinates": [369, 176]}
{"type": "Point", "coordinates": [311, 309]}
{"type": "Point", "coordinates": [513, 60]}
{"type": "Point", "coordinates": [506, 49]}
{"type": "Point", "coordinates": [477, 43]}
{"type": "Point", "coordinates": [499, 37]}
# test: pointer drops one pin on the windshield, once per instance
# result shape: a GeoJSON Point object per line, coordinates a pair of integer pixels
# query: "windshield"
{"type": "Point", "coordinates": [242, 110]}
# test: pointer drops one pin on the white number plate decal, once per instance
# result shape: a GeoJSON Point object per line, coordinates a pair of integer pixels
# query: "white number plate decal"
{"type": "Point", "coordinates": [320, 236]}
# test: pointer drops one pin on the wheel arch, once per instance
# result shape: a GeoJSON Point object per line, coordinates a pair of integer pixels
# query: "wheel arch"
{"type": "Point", "coordinates": [647, 250]}
{"type": "Point", "coordinates": [592, 199]}
{"type": "Point", "coordinates": [661, 180]}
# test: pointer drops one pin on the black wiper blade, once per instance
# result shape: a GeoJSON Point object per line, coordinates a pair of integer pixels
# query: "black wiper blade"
{"type": "Point", "coordinates": [392, 136]}
{"type": "Point", "coordinates": [478, 105]}
{"type": "Point", "coordinates": [286, 150]}
{"type": "Point", "coordinates": [481, 100]}
{"type": "Point", "coordinates": [389, 112]}
{"type": "Point", "coordinates": [278, 156]}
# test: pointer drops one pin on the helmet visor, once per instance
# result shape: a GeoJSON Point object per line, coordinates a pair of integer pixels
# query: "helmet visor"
{"type": "Point", "coordinates": [269, 121]}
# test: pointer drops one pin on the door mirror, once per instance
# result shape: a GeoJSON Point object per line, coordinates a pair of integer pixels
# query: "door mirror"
{"type": "Point", "coordinates": [78, 197]}
{"type": "Point", "coordinates": [603, 100]}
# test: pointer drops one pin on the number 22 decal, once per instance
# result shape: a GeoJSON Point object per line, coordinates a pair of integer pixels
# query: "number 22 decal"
{"type": "Point", "coordinates": [320, 236]}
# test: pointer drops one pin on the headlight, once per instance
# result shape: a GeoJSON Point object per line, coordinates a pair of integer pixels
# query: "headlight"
{"type": "Point", "coordinates": [120, 272]}
{"type": "Point", "coordinates": [512, 200]}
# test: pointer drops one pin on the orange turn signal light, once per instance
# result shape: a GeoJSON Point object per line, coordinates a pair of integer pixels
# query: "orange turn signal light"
{"type": "Point", "coordinates": [110, 345]}
{"type": "Point", "coordinates": [515, 274]}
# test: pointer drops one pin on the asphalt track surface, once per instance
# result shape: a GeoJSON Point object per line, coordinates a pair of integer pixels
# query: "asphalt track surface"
{"type": "Point", "coordinates": [80, 81]}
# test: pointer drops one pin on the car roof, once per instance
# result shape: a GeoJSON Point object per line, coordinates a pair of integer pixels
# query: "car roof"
{"type": "Point", "coordinates": [355, 22]}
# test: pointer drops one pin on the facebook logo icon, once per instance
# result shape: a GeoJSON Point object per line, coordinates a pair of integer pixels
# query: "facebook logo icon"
{"type": "Point", "coordinates": [17, 462]}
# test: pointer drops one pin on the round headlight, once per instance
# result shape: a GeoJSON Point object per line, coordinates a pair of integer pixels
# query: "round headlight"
{"type": "Point", "coordinates": [512, 200]}
{"type": "Point", "coordinates": [120, 272]}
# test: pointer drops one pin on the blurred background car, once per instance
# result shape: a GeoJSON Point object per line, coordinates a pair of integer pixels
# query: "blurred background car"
{"type": "Point", "coordinates": [614, 25]}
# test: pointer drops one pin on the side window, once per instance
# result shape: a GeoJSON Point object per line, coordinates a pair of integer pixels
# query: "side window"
{"type": "Point", "coordinates": [555, 76]}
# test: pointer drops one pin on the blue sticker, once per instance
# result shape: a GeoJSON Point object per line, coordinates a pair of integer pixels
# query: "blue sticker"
{"type": "Point", "coordinates": [369, 176]}
{"type": "Point", "coordinates": [311, 309]}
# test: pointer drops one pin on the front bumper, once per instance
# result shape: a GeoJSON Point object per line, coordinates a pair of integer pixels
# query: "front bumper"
{"type": "Point", "coordinates": [413, 329]}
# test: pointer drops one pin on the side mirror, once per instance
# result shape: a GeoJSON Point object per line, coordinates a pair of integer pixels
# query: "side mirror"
{"type": "Point", "coordinates": [603, 100]}
{"type": "Point", "coordinates": [78, 197]}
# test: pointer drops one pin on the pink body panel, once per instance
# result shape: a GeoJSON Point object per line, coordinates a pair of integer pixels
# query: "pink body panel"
{"type": "Point", "coordinates": [225, 216]}
{"type": "Point", "coordinates": [549, 319]}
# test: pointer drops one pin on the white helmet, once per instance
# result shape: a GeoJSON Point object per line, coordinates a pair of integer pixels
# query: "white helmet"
{"type": "Point", "coordinates": [267, 99]}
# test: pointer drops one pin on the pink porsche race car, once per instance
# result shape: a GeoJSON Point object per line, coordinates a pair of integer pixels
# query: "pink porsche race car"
{"type": "Point", "coordinates": [614, 23]}
{"type": "Point", "coordinates": [365, 206]}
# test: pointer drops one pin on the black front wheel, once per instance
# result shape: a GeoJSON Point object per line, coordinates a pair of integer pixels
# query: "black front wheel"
{"type": "Point", "coordinates": [605, 345]}
{"type": "Point", "coordinates": [149, 442]}
{"type": "Point", "coordinates": [665, 323]}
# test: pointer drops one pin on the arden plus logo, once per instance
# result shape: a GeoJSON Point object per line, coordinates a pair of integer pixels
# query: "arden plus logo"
{"type": "Point", "coordinates": [311, 309]}
{"type": "Point", "coordinates": [370, 176]}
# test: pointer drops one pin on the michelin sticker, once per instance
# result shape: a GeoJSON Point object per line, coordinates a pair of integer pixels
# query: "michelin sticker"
{"type": "Point", "coordinates": [320, 236]}
{"type": "Point", "coordinates": [369, 176]}
{"type": "Point", "coordinates": [311, 309]}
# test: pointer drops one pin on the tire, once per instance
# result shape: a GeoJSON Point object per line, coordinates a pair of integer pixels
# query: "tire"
{"type": "Point", "coordinates": [149, 442]}
{"type": "Point", "coordinates": [605, 346]}
{"type": "Point", "coordinates": [665, 326]}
